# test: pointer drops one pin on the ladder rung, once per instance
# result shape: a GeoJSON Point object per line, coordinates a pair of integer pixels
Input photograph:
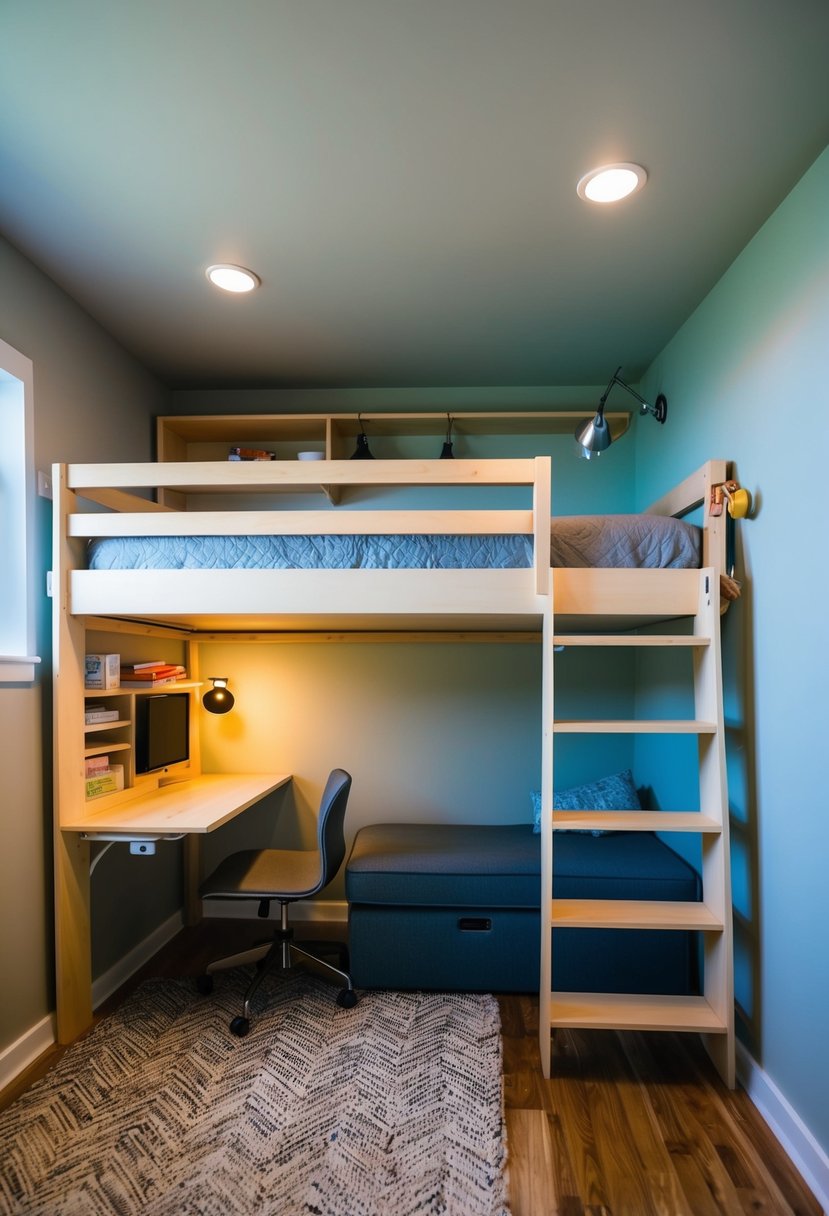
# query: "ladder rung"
{"type": "Point", "coordinates": [624, 1011]}
{"type": "Point", "coordinates": [661, 726]}
{"type": "Point", "coordinates": [632, 914]}
{"type": "Point", "coordinates": [629, 639]}
{"type": "Point", "coordinates": [635, 821]}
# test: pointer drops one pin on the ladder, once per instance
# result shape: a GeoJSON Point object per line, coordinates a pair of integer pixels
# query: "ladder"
{"type": "Point", "coordinates": [710, 1014]}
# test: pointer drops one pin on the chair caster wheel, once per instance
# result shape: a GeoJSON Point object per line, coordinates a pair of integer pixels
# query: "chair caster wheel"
{"type": "Point", "coordinates": [204, 984]}
{"type": "Point", "coordinates": [347, 998]}
{"type": "Point", "coordinates": [239, 1027]}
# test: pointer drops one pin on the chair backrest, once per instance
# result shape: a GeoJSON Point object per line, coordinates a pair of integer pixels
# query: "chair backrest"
{"type": "Point", "coordinates": [330, 834]}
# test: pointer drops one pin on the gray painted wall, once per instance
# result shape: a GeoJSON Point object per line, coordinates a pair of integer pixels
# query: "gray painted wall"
{"type": "Point", "coordinates": [92, 402]}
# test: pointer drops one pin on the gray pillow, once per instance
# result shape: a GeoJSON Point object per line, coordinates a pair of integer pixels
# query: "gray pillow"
{"type": "Point", "coordinates": [614, 793]}
{"type": "Point", "coordinates": [649, 541]}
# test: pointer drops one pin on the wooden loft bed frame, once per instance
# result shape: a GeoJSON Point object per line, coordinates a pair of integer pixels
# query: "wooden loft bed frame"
{"type": "Point", "coordinates": [398, 600]}
{"type": "Point", "coordinates": [333, 605]}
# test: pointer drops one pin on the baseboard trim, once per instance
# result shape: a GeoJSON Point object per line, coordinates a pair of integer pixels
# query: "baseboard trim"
{"type": "Point", "coordinates": [43, 1035]}
{"type": "Point", "coordinates": [332, 911]}
{"type": "Point", "coordinates": [111, 980]}
{"type": "Point", "coordinates": [810, 1159]}
{"type": "Point", "coordinates": [25, 1050]}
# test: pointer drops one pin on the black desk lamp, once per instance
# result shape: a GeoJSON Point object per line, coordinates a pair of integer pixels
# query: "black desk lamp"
{"type": "Point", "coordinates": [218, 699]}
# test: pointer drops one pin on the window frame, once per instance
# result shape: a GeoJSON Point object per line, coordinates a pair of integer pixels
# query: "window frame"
{"type": "Point", "coordinates": [18, 661]}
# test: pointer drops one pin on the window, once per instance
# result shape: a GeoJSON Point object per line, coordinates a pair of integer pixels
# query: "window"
{"type": "Point", "coordinates": [17, 660]}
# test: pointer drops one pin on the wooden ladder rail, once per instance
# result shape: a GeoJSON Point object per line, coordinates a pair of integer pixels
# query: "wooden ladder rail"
{"type": "Point", "coordinates": [712, 1013]}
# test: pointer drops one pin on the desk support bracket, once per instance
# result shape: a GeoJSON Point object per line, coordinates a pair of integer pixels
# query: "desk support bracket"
{"type": "Point", "coordinates": [140, 846]}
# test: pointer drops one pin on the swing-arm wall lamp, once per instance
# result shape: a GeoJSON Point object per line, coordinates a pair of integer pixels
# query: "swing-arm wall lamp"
{"type": "Point", "coordinates": [594, 435]}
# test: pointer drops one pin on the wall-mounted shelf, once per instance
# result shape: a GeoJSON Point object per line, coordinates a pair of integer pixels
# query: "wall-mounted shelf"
{"type": "Point", "coordinates": [210, 436]}
{"type": "Point", "coordinates": [178, 435]}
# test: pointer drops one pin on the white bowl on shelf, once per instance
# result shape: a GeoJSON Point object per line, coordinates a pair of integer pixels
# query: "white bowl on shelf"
{"type": "Point", "coordinates": [310, 455]}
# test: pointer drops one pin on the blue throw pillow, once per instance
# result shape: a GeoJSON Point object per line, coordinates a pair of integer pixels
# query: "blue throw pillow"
{"type": "Point", "coordinates": [614, 793]}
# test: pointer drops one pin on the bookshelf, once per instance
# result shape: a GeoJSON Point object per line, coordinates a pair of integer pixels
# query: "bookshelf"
{"type": "Point", "coordinates": [117, 736]}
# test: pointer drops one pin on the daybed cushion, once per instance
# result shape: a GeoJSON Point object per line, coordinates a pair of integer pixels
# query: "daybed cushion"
{"type": "Point", "coordinates": [500, 866]}
{"type": "Point", "coordinates": [450, 864]}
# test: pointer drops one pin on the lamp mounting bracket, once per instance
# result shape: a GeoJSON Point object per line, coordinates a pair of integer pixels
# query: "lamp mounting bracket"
{"type": "Point", "coordinates": [659, 409]}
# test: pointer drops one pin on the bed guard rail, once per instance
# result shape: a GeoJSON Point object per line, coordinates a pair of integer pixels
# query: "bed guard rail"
{"type": "Point", "coordinates": [128, 514]}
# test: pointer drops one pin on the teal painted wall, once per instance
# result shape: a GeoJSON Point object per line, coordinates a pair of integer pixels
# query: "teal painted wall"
{"type": "Point", "coordinates": [433, 732]}
{"type": "Point", "coordinates": [746, 379]}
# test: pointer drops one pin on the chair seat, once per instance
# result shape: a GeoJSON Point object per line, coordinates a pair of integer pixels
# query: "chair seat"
{"type": "Point", "coordinates": [266, 874]}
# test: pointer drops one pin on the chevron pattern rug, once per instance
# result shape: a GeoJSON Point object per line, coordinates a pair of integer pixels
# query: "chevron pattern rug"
{"type": "Point", "coordinates": [393, 1108]}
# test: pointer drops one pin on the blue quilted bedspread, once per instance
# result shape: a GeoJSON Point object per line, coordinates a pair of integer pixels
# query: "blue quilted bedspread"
{"type": "Point", "coordinates": [312, 553]}
{"type": "Point", "coordinates": [575, 540]}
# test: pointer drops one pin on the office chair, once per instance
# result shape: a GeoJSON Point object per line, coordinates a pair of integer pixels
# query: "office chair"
{"type": "Point", "coordinates": [286, 875]}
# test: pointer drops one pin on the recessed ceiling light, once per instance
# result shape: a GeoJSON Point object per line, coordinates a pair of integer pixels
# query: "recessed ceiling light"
{"type": "Point", "coordinates": [609, 183]}
{"type": "Point", "coordinates": [232, 278]}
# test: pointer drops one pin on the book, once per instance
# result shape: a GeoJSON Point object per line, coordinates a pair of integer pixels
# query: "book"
{"type": "Point", "coordinates": [163, 673]}
{"type": "Point", "coordinates": [161, 676]}
{"type": "Point", "coordinates": [94, 765]}
{"type": "Point", "coordinates": [102, 670]}
{"type": "Point", "coordinates": [152, 665]}
{"type": "Point", "coordinates": [98, 713]}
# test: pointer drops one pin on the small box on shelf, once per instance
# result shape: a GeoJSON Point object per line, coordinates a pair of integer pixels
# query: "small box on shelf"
{"type": "Point", "coordinates": [102, 671]}
{"type": "Point", "coordinates": [109, 782]}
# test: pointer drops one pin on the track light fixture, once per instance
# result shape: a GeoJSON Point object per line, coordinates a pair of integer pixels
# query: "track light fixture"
{"type": "Point", "coordinates": [593, 436]}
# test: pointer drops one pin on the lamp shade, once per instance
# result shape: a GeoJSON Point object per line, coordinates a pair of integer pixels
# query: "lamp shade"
{"type": "Point", "coordinates": [362, 450]}
{"type": "Point", "coordinates": [218, 699]}
{"type": "Point", "coordinates": [594, 435]}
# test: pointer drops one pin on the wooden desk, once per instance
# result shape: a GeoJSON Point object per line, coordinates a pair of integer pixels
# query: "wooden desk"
{"type": "Point", "coordinates": [192, 807]}
{"type": "Point", "coordinates": [200, 804]}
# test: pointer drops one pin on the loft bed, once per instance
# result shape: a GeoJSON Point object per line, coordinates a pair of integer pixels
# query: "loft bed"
{"type": "Point", "coordinates": [242, 598]}
{"type": "Point", "coordinates": [97, 506]}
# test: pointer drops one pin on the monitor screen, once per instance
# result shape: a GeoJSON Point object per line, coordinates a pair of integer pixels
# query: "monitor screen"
{"type": "Point", "coordinates": [162, 735]}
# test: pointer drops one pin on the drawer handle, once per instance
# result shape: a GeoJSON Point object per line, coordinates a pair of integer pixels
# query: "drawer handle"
{"type": "Point", "coordinates": [474, 924]}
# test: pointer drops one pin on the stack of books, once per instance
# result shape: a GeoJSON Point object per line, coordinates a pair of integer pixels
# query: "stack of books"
{"type": "Point", "coordinates": [95, 714]}
{"type": "Point", "coordinates": [151, 675]}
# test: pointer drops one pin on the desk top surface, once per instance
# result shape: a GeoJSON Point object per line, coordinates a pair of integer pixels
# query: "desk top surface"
{"type": "Point", "coordinates": [199, 804]}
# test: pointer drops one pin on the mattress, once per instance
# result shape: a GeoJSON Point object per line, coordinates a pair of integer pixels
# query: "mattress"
{"type": "Point", "coordinates": [578, 540]}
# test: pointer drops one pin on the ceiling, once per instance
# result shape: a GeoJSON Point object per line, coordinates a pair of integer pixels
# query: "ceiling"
{"type": "Point", "coordinates": [401, 175]}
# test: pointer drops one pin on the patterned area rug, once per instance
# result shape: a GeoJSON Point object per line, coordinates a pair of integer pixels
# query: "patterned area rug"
{"type": "Point", "coordinates": [393, 1108]}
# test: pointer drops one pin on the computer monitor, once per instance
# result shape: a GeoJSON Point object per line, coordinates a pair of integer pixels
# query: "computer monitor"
{"type": "Point", "coordinates": [162, 730]}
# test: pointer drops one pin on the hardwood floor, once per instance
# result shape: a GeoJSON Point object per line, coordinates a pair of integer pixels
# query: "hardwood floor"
{"type": "Point", "coordinates": [635, 1124]}
{"type": "Point", "coordinates": [630, 1124]}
